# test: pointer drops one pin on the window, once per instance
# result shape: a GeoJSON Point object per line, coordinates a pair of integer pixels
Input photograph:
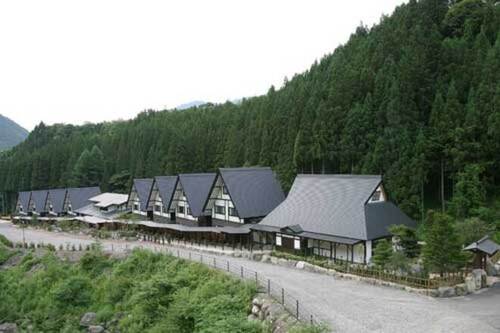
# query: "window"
{"type": "Point", "coordinates": [233, 212]}
{"type": "Point", "coordinates": [296, 244]}
{"type": "Point", "coordinates": [180, 209]}
{"type": "Point", "coordinates": [376, 196]}
{"type": "Point", "coordinates": [188, 210]}
{"type": "Point", "coordinates": [20, 208]}
{"type": "Point", "coordinates": [224, 190]}
{"type": "Point", "coordinates": [51, 208]}
{"type": "Point", "coordinates": [221, 210]}
{"type": "Point", "coordinates": [158, 208]}
{"type": "Point", "coordinates": [69, 208]}
{"type": "Point", "coordinates": [136, 206]}
{"type": "Point", "coordinates": [278, 240]}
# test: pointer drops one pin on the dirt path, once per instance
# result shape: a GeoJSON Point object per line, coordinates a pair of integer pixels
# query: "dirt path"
{"type": "Point", "coordinates": [349, 306]}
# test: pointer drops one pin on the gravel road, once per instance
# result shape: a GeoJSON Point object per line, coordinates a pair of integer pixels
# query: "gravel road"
{"type": "Point", "coordinates": [349, 306]}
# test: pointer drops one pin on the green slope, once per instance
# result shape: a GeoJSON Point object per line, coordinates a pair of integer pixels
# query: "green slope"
{"type": "Point", "coordinates": [11, 133]}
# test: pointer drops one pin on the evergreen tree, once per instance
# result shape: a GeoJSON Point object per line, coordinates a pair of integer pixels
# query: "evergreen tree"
{"type": "Point", "coordinates": [382, 253]}
{"type": "Point", "coordinates": [442, 251]}
{"type": "Point", "coordinates": [469, 192]}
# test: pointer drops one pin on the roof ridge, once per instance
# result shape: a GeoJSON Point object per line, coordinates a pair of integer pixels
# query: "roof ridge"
{"type": "Point", "coordinates": [339, 175]}
{"type": "Point", "coordinates": [197, 174]}
{"type": "Point", "coordinates": [245, 168]}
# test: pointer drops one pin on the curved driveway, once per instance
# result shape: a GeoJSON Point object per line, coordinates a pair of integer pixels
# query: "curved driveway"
{"type": "Point", "coordinates": [349, 306]}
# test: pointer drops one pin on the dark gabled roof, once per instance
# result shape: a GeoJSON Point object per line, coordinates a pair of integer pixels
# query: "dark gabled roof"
{"type": "Point", "coordinates": [381, 215]}
{"type": "Point", "coordinates": [56, 197]}
{"type": "Point", "coordinates": [335, 205]}
{"type": "Point", "coordinates": [485, 245]}
{"type": "Point", "coordinates": [143, 188]}
{"type": "Point", "coordinates": [79, 196]}
{"type": "Point", "coordinates": [166, 188]}
{"type": "Point", "coordinates": [24, 198]}
{"type": "Point", "coordinates": [197, 188]}
{"type": "Point", "coordinates": [39, 198]}
{"type": "Point", "coordinates": [255, 192]}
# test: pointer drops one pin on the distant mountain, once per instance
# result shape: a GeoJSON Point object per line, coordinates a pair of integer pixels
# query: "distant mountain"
{"type": "Point", "coordinates": [190, 105]}
{"type": "Point", "coordinates": [11, 133]}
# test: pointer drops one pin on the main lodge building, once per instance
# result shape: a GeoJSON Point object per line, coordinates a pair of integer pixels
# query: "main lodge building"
{"type": "Point", "coordinates": [335, 216]}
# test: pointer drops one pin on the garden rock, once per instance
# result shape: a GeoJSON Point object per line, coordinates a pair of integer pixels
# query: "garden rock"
{"type": "Point", "coordinates": [470, 284]}
{"type": "Point", "coordinates": [300, 265]}
{"type": "Point", "coordinates": [95, 329]}
{"type": "Point", "coordinates": [252, 317]}
{"type": "Point", "coordinates": [88, 319]}
{"type": "Point", "coordinates": [255, 310]}
{"type": "Point", "coordinates": [446, 291]}
{"type": "Point", "coordinates": [461, 289]}
{"type": "Point", "coordinates": [8, 328]}
{"type": "Point", "coordinates": [480, 278]}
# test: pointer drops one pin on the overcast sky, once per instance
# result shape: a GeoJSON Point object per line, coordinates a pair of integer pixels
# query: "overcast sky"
{"type": "Point", "coordinates": [76, 61]}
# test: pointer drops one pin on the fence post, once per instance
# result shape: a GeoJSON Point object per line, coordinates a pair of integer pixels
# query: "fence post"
{"type": "Point", "coordinates": [201, 258]}
{"type": "Point", "coordinates": [312, 321]}
{"type": "Point", "coordinates": [215, 263]}
{"type": "Point", "coordinates": [189, 255]}
{"type": "Point", "coordinates": [242, 272]}
{"type": "Point", "coordinates": [282, 296]}
{"type": "Point", "coordinates": [256, 278]}
{"type": "Point", "coordinates": [228, 265]}
{"type": "Point", "coordinates": [268, 287]}
{"type": "Point", "coordinates": [178, 254]}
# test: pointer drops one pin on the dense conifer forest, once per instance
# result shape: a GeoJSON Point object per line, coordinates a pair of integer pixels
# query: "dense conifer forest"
{"type": "Point", "coordinates": [415, 98]}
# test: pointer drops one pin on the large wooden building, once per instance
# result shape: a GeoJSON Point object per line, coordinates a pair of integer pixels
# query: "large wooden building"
{"type": "Point", "coordinates": [190, 195]}
{"type": "Point", "coordinates": [139, 196]}
{"type": "Point", "coordinates": [243, 195]}
{"type": "Point", "coordinates": [335, 216]}
{"type": "Point", "coordinates": [161, 197]}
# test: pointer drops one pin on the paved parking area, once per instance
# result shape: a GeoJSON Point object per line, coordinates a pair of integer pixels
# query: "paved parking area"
{"type": "Point", "coordinates": [349, 306]}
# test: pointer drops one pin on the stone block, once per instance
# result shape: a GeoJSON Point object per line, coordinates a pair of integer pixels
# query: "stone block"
{"type": "Point", "coordinates": [446, 291]}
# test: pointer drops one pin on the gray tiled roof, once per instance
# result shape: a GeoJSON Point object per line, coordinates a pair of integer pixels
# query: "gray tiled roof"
{"type": "Point", "coordinates": [39, 198]}
{"type": "Point", "coordinates": [335, 205]}
{"type": "Point", "coordinates": [56, 198]}
{"type": "Point", "coordinates": [166, 188]}
{"type": "Point", "coordinates": [255, 192]}
{"type": "Point", "coordinates": [143, 188]}
{"type": "Point", "coordinates": [485, 245]}
{"type": "Point", "coordinates": [381, 215]}
{"type": "Point", "coordinates": [197, 188]}
{"type": "Point", "coordinates": [79, 197]}
{"type": "Point", "coordinates": [24, 199]}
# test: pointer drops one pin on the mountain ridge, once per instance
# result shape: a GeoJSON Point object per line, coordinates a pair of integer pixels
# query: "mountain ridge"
{"type": "Point", "coordinates": [11, 133]}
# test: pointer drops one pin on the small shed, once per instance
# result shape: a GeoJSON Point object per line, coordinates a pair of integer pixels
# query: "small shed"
{"type": "Point", "coordinates": [483, 249]}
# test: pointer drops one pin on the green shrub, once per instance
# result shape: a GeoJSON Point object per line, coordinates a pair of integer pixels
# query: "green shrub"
{"type": "Point", "coordinates": [75, 291]}
{"type": "Point", "coordinates": [5, 241]}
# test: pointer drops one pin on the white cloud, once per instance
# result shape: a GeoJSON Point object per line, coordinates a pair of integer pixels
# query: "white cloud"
{"type": "Point", "coordinates": [76, 61]}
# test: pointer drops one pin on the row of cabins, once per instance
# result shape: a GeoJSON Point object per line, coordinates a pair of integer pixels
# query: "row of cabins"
{"type": "Point", "coordinates": [78, 201]}
{"type": "Point", "coordinates": [334, 216]}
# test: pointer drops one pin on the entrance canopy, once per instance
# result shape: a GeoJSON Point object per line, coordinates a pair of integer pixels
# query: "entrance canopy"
{"type": "Point", "coordinates": [484, 245]}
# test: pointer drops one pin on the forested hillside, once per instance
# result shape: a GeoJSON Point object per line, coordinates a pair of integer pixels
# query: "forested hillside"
{"type": "Point", "coordinates": [10, 133]}
{"type": "Point", "coordinates": [416, 98]}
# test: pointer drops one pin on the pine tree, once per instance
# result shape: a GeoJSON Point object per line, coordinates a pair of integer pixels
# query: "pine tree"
{"type": "Point", "coordinates": [382, 253]}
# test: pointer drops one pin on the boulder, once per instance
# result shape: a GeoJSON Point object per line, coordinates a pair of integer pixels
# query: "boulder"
{"type": "Point", "coordinates": [8, 328]}
{"type": "Point", "coordinates": [274, 311]}
{"type": "Point", "coordinates": [88, 319]}
{"type": "Point", "coordinates": [256, 302]}
{"type": "Point", "coordinates": [95, 329]}
{"type": "Point", "coordinates": [257, 256]}
{"type": "Point", "coordinates": [479, 277]}
{"type": "Point", "coordinates": [446, 291]}
{"type": "Point", "coordinates": [300, 265]}
{"type": "Point", "coordinates": [274, 260]}
{"type": "Point", "coordinates": [461, 289]}
{"type": "Point", "coordinates": [491, 270]}
{"type": "Point", "coordinates": [265, 258]}
{"type": "Point", "coordinates": [470, 284]}
{"type": "Point", "coordinates": [255, 310]}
